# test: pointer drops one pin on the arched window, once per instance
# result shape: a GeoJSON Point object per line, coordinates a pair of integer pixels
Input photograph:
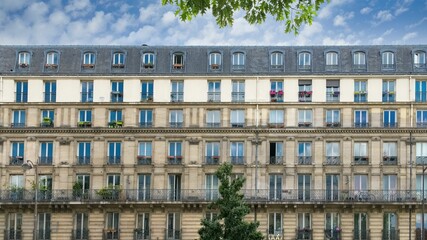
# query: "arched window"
{"type": "Point", "coordinates": [276, 60]}
{"type": "Point", "coordinates": [178, 60]}
{"type": "Point", "coordinates": [52, 59]}
{"type": "Point", "coordinates": [331, 61]}
{"type": "Point", "coordinates": [148, 60]}
{"type": "Point", "coordinates": [89, 58]}
{"type": "Point", "coordinates": [304, 61]}
{"type": "Point", "coordinates": [420, 60]}
{"type": "Point", "coordinates": [359, 61]}
{"type": "Point", "coordinates": [24, 59]}
{"type": "Point", "coordinates": [215, 60]}
{"type": "Point", "coordinates": [387, 60]}
{"type": "Point", "coordinates": [118, 60]}
{"type": "Point", "coordinates": [238, 60]}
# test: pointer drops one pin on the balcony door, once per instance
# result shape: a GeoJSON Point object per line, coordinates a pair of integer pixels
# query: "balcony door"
{"type": "Point", "coordinates": [173, 231]}
{"type": "Point", "coordinates": [174, 187]}
{"type": "Point", "coordinates": [332, 187]}
{"type": "Point", "coordinates": [360, 226]}
{"type": "Point", "coordinates": [82, 227]}
{"type": "Point", "coordinates": [14, 227]}
{"type": "Point", "coordinates": [144, 182]}
{"type": "Point", "coordinates": [211, 187]}
{"type": "Point", "coordinates": [276, 187]}
{"type": "Point", "coordinates": [304, 187]}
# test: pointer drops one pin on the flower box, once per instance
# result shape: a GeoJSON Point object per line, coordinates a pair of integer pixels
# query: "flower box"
{"type": "Point", "coordinates": [280, 93]}
{"type": "Point", "coordinates": [272, 93]}
{"type": "Point", "coordinates": [23, 65]}
{"type": "Point", "coordinates": [118, 66]}
{"type": "Point", "coordinates": [88, 66]}
{"type": "Point", "coordinates": [148, 65]}
{"type": "Point", "coordinates": [51, 66]}
{"type": "Point", "coordinates": [215, 66]}
{"type": "Point", "coordinates": [178, 66]}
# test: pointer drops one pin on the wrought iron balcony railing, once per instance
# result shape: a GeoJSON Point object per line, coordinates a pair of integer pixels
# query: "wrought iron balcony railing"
{"type": "Point", "coordinates": [173, 234]}
{"type": "Point", "coordinates": [390, 160]}
{"type": "Point", "coordinates": [362, 234]}
{"type": "Point", "coordinates": [141, 234]}
{"type": "Point", "coordinates": [114, 160]}
{"type": "Point", "coordinates": [212, 160]}
{"type": "Point", "coordinates": [304, 234]}
{"type": "Point", "coordinates": [237, 160]}
{"type": "Point", "coordinates": [80, 234]}
{"type": "Point", "coordinates": [111, 234]}
{"type": "Point", "coordinates": [174, 160]}
{"type": "Point", "coordinates": [332, 160]}
{"type": "Point", "coordinates": [177, 96]}
{"type": "Point", "coordinates": [83, 160]}
{"type": "Point", "coordinates": [43, 234]}
{"type": "Point", "coordinates": [214, 96]}
{"type": "Point", "coordinates": [390, 234]}
{"type": "Point", "coordinates": [45, 160]}
{"type": "Point", "coordinates": [238, 96]}
{"type": "Point", "coordinates": [276, 160]}
{"type": "Point", "coordinates": [304, 160]}
{"type": "Point", "coordinates": [361, 160]}
{"type": "Point", "coordinates": [143, 160]}
{"type": "Point", "coordinates": [333, 234]}
{"type": "Point", "coordinates": [13, 234]}
{"type": "Point", "coordinates": [16, 160]}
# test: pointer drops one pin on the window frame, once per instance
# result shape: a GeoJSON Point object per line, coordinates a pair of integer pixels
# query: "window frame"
{"type": "Point", "coordinates": [118, 60]}
{"type": "Point", "coordinates": [238, 60]}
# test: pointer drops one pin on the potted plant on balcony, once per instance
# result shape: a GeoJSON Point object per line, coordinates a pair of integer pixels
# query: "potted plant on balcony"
{"type": "Point", "coordinates": [16, 192]}
{"type": "Point", "coordinates": [280, 93]}
{"type": "Point", "coordinates": [23, 65]}
{"type": "Point", "coordinates": [77, 190]}
{"type": "Point", "coordinates": [47, 122]}
{"type": "Point", "coordinates": [148, 65]}
{"type": "Point", "coordinates": [272, 93]}
{"type": "Point", "coordinates": [111, 192]}
{"type": "Point", "coordinates": [84, 124]}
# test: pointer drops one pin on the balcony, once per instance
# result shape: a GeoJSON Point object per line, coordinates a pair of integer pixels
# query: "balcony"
{"type": "Point", "coordinates": [86, 96]}
{"type": "Point", "coordinates": [212, 160]}
{"type": "Point", "coordinates": [111, 234]}
{"type": "Point", "coordinates": [45, 160]}
{"type": "Point", "coordinates": [21, 97]}
{"type": "Point", "coordinates": [115, 124]}
{"type": "Point", "coordinates": [276, 96]}
{"type": "Point", "coordinates": [13, 234]}
{"type": "Point", "coordinates": [333, 234]}
{"type": "Point", "coordinates": [17, 125]}
{"type": "Point", "coordinates": [361, 234]}
{"type": "Point", "coordinates": [333, 124]}
{"type": "Point", "coordinates": [389, 96]}
{"type": "Point", "coordinates": [418, 233]}
{"type": "Point", "coordinates": [174, 160]}
{"type": "Point", "coordinates": [304, 160]}
{"type": "Point", "coordinates": [146, 96]}
{"type": "Point", "coordinates": [421, 124]}
{"type": "Point", "coordinates": [142, 234]}
{"type": "Point", "coordinates": [114, 160]}
{"type": "Point", "coordinates": [333, 160]}
{"type": "Point", "coordinates": [237, 124]}
{"type": "Point", "coordinates": [214, 96]}
{"type": "Point", "coordinates": [43, 234]}
{"type": "Point", "coordinates": [80, 234]}
{"type": "Point", "coordinates": [361, 124]}
{"type": "Point", "coordinates": [304, 67]}
{"type": "Point", "coordinates": [421, 160]}
{"type": "Point", "coordinates": [238, 67]}
{"type": "Point", "coordinates": [146, 124]}
{"type": "Point", "coordinates": [143, 160]}
{"type": "Point", "coordinates": [390, 125]}
{"type": "Point", "coordinates": [305, 124]}
{"type": "Point", "coordinates": [276, 160]}
{"type": "Point", "coordinates": [116, 96]}
{"type": "Point", "coordinates": [83, 160]}
{"type": "Point", "coordinates": [391, 234]}
{"type": "Point", "coordinates": [177, 96]}
{"type": "Point", "coordinates": [333, 96]}
{"type": "Point", "coordinates": [304, 234]}
{"type": "Point", "coordinates": [390, 160]}
{"type": "Point", "coordinates": [237, 96]}
{"type": "Point", "coordinates": [361, 160]}
{"type": "Point", "coordinates": [274, 234]}
{"type": "Point", "coordinates": [176, 124]}
{"type": "Point", "coordinates": [173, 234]}
{"type": "Point", "coordinates": [305, 96]}
{"type": "Point", "coordinates": [237, 160]}
{"type": "Point", "coordinates": [84, 124]}
{"type": "Point", "coordinates": [360, 96]}
{"type": "Point", "coordinates": [16, 160]}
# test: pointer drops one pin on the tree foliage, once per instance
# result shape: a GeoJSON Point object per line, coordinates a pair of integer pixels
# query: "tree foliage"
{"type": "Point", "coordinates": [228, 223]}
{"type": "Point", "coordinates": [293, 13]}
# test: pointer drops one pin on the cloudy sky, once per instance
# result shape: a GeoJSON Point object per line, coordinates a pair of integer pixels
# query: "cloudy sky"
{"type": "Point", "coordinates": [135, 22]}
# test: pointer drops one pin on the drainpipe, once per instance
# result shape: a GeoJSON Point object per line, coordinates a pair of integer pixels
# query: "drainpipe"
{"type": "Point", "coordinates": [256, 148]}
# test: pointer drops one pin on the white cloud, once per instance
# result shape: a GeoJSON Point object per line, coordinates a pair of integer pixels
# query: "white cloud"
{"type": "Point", "coordinates": [168, 18]}
{"type": "Point", "coordinates": [418, 23]}
{"type": "Point", "coordinates": [327, 10]}
{"type": "Point", "coordinates": [378, 41]}
{"type": "Point", "coordinates": [383, 16]}
{"type": "Point", "coordinates": [150, 12]}
{"type": "Point", "coordinates": [242, 27]}
{"type": "Point", "coordinates": [307, 33]}
{"type": "Point", "coordinates": [77, 5]}
{"type": "Point", "coordinates": [340, 20]}
{"type": "Point", "coordinates": [36, 12]}
{"type": "Point", "coordinates": [365, 10]}
{"type": "Point", "coordinates": [409, 36]}
{"type": "Point", "coordinates": [14, 5]}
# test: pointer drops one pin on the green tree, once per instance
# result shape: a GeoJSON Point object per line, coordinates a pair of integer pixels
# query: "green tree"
{"type": "Point", "coordinates": [229, 223]}
{"type": "Point", "coordinates": [293, 13]}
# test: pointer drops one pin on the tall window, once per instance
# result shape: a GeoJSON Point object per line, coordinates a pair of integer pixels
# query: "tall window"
{"type": "Point", "coordinates": [114, 153]}
{"type": "Point", "coordinates": [360, 186]}
{"type": "Point", "coordinates": [421, 118]}
{"type": "Point", "coordinates": [89, 60]}
{"type": "Point", "coordinates": [276, 91]}
{"type": "Point", "coordinates": [43, 226]}
{"type": "Point", "coordinates": [389, 118]}
{"type": "Point", "coordinates": [332, 225]}
{"type": "Point", "coordinates": [421, 91]}
{"type": "Point", "coordinates": [211, 187]}
{"type": "Point", "coordinates": [174, 187]}
{"type": "Point", "coordinates": [17, 153]}
{"type": "Point", "coordinates": [81, 230]}
{"type": "Point", "coordinates": [361, 118]}
{"type": "Point", "coordinates": [176, 118]}
{"type": "Point", "coordinates": [175, 153]}
{"type": "Point", "coordinates": [332, 153]}
{"type": "Point", "coordinates": [276, 60]}
{"type": "Point", "coordinates": [304, 153]}
{"type": "Point", "coordinates": [276, 118]}
{"type": "Point", "coordinates": [14, 226]}
{"type": "Point", "coordinates": [360, 226]}
{"type": "Point", "coordinates": [237, 118]}
{"type": "Point", "coordinates": [111, 231]}
{"type": "Point", "coordinates": [117, 91]}
{"type": "Point", "coordinates": [142, 230]}
{"type": "Point", "coordinates": [144, 186]}
{"type": "Point", "coordinates": [238, 91]}
{"type": "Point", "coordinates": [84, 180]}
{"type": "Point", "coordinates": [115, 118]}
{"type": "Point", "coordinates": [333, 118]}
{"type": "Point", "coordinates": [212, 153]}
{"type": "Point", "coordinates": [305, 91]}
{"type": "Point", "coordinates": [50, 91]}
{"type": "Point", "coordinates": [85, 118]}
{"type": "Point", "coordinates": [331, 61]}
{"type": "Point", "coordinates": [390, 187]}
{"type": "Point", "coordinates": [146, 118]}
{"type": "Point", "coordinates": [275, 191]}
{"type": "Point", "coordinates": [215, 61]}
{"type": "Point", "coordinates": [47, 118]}
{"type": "Point", "coordinates": [52, 59]}
{"type": "Point", "coordinates": [148, 60]}
{"type": "Point", "coordinates": [177, 93]}
{"type": "Point", "coordinates": [359, 61]}
{"type": "Point", "coordinates": [304, 230]}
{"type": "Point", "coordinates": [389, 92]}
{"type": "Point", "coordinates": [388, 61]}
{"type": "Point", "coordinates": [390, 229]}
{"type": "Point", "coordinates": [178, 61]}
{"type": "Point", "coordinates": [390, 153]}
{"type": "Point", "coordinates": [113, 180]}
{"type": "Point", "coordinates": [332, 187]}
{"type": "Point", "coordinates": [213, 118]}
{"type": "Point", "coordinates": [275, 224]}
{"type": "Point", "coordinates": [18, 118]}
{"type": "Point", "coordinates": [87, 91]}
{"type": "Point", "coordinates": [238, 61]}
{"type": "Point", "coordinates": [276, 152]}
{"type": "Point", "coordinates": [421, 153]}
{"type": "Point", "coordinates": [173, 231]}
{"type": "Point", "coordinates": [83, 153]}
{"type": "Point", "coordinates": [361, 153]}
{"type": "Point", "coordinates": [46, 153]}
{"type": "Point", "coordinates": [236, 153]}
{"type": "Point", "coordinates": [118, 60]}
{"type": "Point", "coordinates": [16, 186]}
{"type": "Point", "coordinates": [147, 91]}
{"type": "Point", "coordinates": [360, 93]}
{"type": "Point", "coordinates": [419, 60]}
{"type": "Point", "coordinates": [214, 91]}
{"type": "Point", "coordinates": [145, 153]}
{"type": "Point", "coordinates": [305, 117]}
{"type": "Point", "coordinates": [332, 90]}
{"type": "Point", "coordinates": [304, 61]}
{"type": "Point", "coordinates": [45, 187]}
{"type": "Point", "coordinates": [24, 59]}
{"type": "Point", "coordinates": [21, 94]}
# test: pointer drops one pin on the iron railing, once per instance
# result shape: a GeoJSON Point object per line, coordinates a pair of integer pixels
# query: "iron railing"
{"type": "Point", "coordinates": [43, 234]}
{"type": "Point", "coordinates": [174, 160]}
{"type": "Point", "coordinates": [304, 234]}
{"type": "Point", "coordinates": [304, 160]}
{"type": "Point", "coordinates": [333, 234]}
{"type": "Point", "coordinates": [45, 160]}
{"type": "Point", "coordinates": [214, 96]}
{"type": "Point", "coordinates": [80, 234]}
{"type": "Point", "coordinates": [237, 160]}
{"type": "Point", "coordinates": [276, 160]}
{"type": "Point", "coordinates": [143, 160]}
{"type": "Point", "coordinates": [86, 96]}
{"type": "Point", "coordinates": [332, 160]}
{"type": "Point", "coordinates": [390, 160]}
{"type": "Point", "coordinates": [12, 234]}
{"type": "Point", "coordinates": [145, 124]}
{"type": "Point", "coordinates": [141, 234]}
{"type": "Point", "coordinates": [16, 160]}
{"type": "Point", "coordinates": [146, 96]}
{"type": "Point", "coordinates": [177, 96]}
{"type": "Point", "coordinates": [390, 234]}
{"type": "Point", "coordinates": [111, 234]}
{"type": "Point", "coordinates": [238, 96]}
{"type": "Point", "coordinates": [114, 160]}
{"type": "Point", "coordinates": [361, 160]}
{"type": "Point", "coordinates": [116, 96]}
{"type": "Point", "coordinates": [173, 234]}
{"type": "Point", "coordinates": [212, 160]}
{"type": "Point", "coordinates": [83, 160]}
{"type": "Point", "coordinates": [361, 234]}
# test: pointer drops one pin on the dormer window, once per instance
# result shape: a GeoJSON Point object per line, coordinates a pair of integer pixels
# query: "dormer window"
{"type": "Point", "coordinates": [238, 61]}
{"type": "Point", "coordinates": [148, 60]}
{"type": "Point", "coordinates": [178, 61]}
{"type": "Point", "coordinates": [304, 61]}
{"type": "Point", "coordinates": [420, 60]}
{"type": "Point", "coordinates": [24, 59]}
{"type": "Point", "coordinates": [215, 61]}
{"type": "Point", "coordinates": [331, 61]}
{"type": "Point", "coordinates": [359, 61]}
{"type": "Point", "coordinates": [88, 60]}
{"type": "Point", "coordinates": [276, 60]}
{"type": "Point", "coordinates": [52, 59]}
{"type": "Point", "coordinates": [388, 60]}
{"type": "Point", "coordinates": [118, 60]}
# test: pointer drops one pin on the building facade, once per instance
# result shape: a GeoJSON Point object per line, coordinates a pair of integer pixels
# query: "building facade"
{"type": "Point", "coordinates": [124, 141]}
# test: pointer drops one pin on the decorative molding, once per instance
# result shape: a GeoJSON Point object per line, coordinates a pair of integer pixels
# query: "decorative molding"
{"type": "Point", "coordinates": [64, 140]}
{"type": "Point", "coordinates": [97, 138]}
{"type": "Point", "coordinates": [193, 140]}
{"type": "Point", "coordinates": [291, 138]}
{"type": "Point", "coordinates": [160, 138]}
{"type": "Point", "coordinates": [129, 139]}
{"type": "Point", "coordinates": [31, 138]}
{"type": "Point", "coordinates": [319, 138]}
{"type": "Point", "coordinates": [347, 138]}
{"type": "Point", "coordinates": [376, 138]}
{"type": "Point", "coordinates": [2, 139]}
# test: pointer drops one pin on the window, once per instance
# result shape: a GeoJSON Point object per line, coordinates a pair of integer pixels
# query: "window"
{"type": "Point", "coordinates": [333, 118]}
{"type": "Point", "coordinates": [276, 60]}
{"type": "Point", "coordinates": [360, 93]}
{"type": "Point", "coordinates": [114, 153]}
{"type": "Point", "coordinates": [389, 153]}
{"type": "Point", "coordinates": [361, 226]}
{"type": "Point", "coordinates": [304, 61]}
{"type": "Point", "coordinates": [113, 180]}
{"type": "Point", "coordinates": [177, 93]}
{"type": "Point", "coordinates": [116, 91]}
{"type": "Point", "coordinates": [142, 231]}
{"type": "Point", "coordinates": [211, 187]}
{"type": "Point", "coordinates": [388, 61]}
{"type": "Point", "coordinates": [213, 118]}
{"type": "Point", "coordinates": [83, 153]}
{"type": "Point", "coordinates": [421, 153]}
{"type": "Point", "coordinates": [332, 90]}
{"type": "Point", "coordinates": [215, 61]}
{"type": "Point", "coordinates": [238, 61]}
{"type": "Point", "coordinates": [144, 186]}
{"type": "Point", "coordinates": [144, 153]}
{"type": "Point", "coordinates": [24, 59]}
{"type": "Point", "coordinates": [175, 153]}
{"type": "Point", "coordinates": [115, 118]}
{"type": "Point", "coordinates": [276, 91]}
{"type": "Point", "coordinates": [146, 118]}
{"type": "Point", "coordinates": [87, 91]}
{"type": "Point", "coordinates": [17, 153]}
{"type": "Point", "coordinates": [390, 229]}
{"type": "Point", "coordinates": [359, 61]}
{"type": "Point", "coordinates": [237, 118]}
{"type": "Point", "coordinates": [276, 153]}
{"type": "Point", "coordinates": [148, 60]}
{"type": "Point", "coordinates": [421, 91]}
{"type": "Point", "coordinates": [174, 187]}
{"type": "Point", "coordinates": [212, 153]}
{"type": "Point", "coordinates": [147, 91]}
{"type": "Point", "coordinates": [276, 118]}
{"type": "Point", "coordinates": [176, 118]}
{"type": "Point", "coordinates": [50, 91]}
{"type": "Point", "coordinates": [44, 226]}
{"type": "Point", "coordinates": [118, 60]}
{"type": "Point", "coordinates": [275, 191]}
{"type": "Point", "coordinates": [236, 153]}
{"type": "Point", "coordinates": [304, 153]}
{"type": "Point", "coordinates": [360, 186]}
{"type": "Point", "coordinates": [88, 60]}
{"type": "Point", "coordinates": [111, 231]}
{"type": "Point", "coordinates": [389, 94]}
{"type": "Point", "coordinates": [421, 118]}
{"type": "Point", "coordinates": [14, 226]}
{"type": "Point", "coordinates": [173, 231]}
{"type": "Point", "coordinates": [361, 153]}
{"type": "Point", "coordinates": [305, 117]}
{"type": "Point", "coordinates": [275, 226]}
{"type": "Point", "coordinates": [16, 187]}
{"type": "Point", "coordinates": [305, 90]}
{"type": "Point", "coordinates": [420, 60]}
{"type": "Point", "coordinates": [47, 118]}
{"type": "Point", "coordinates": [214, 91]}
{"type": "Point", "coordinates": [52, 60]}
{"type": "Point", "coordinates": [361, 119]}
{"type": "Point", "coordinates": [18, 118]}
{"type": "Point", "coordinates": [46, 153]}
{"type": "Point", "coordinates": [304, 230]}
{"type": "Point", "coordinates": [389, 119]}
{"type": "Point", "coordinates": [21, 94]}
{"type": "Point", "coordinates": [85, 118]}
{"type": "Point", "coordinates": [332, 187]}
{"type": "Point", "coordinates": [178, 61]}
{"type": "Point", "coordinates": [84, 180]}
{"type": "Point", "coordinates": [331, 61]}
{"type": "Point", "coordinates": [238, 91]}
{"type": "Point", "coordinates": [304, 187]}
{"type": "Point", "coordinates": [390, 187]}
{"type": "Point", "coordinates": [332, 226]}
{"type": "Point", "coordinates": [45, 187]}
{"type": "Point", "coordinates": [81, 231]}
{"type": "Point", "coordinates": [419, 187]}
{"type": "Point", "coordinates": [332, 153]}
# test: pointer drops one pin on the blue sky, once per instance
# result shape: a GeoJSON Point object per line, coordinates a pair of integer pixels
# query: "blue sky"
{"type": "Point", "coordinates": [135, 22]}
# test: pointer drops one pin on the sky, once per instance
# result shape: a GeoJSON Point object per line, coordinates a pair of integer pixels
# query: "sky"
{"type": "Point", "coordinates": [136, 22]}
